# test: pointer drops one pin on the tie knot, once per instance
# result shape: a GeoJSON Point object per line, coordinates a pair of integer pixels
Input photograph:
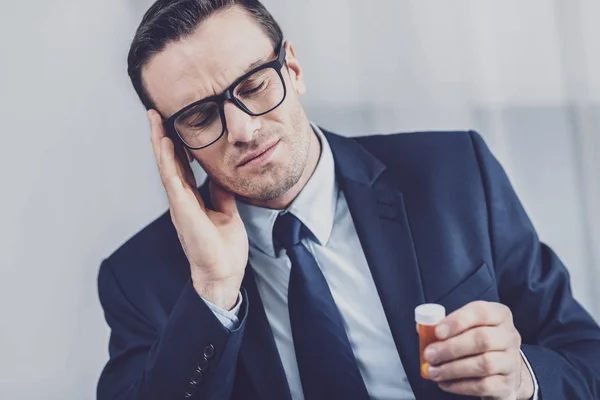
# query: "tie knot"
{"type": "Point", "coordinates": [287, 230]}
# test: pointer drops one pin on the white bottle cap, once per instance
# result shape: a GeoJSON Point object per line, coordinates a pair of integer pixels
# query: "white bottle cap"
{"type": "Point", "coordinates": [429, 314]}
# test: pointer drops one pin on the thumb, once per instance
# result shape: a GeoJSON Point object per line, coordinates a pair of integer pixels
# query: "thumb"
{"type": "Point", "coordinates": [223, 200]}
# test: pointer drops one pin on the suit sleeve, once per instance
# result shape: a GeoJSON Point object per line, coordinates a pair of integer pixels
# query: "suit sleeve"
{"type": "Point", "coordinates": [560, 339]}
{"type": "Point", "coordinates": [193, 356]}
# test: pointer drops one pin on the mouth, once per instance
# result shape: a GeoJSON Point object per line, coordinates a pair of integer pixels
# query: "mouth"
{"type": "Point", "coordinates": [260, 156]}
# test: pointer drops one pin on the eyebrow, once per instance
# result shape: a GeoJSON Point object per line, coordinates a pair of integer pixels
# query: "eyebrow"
{"type": "Point", "coordinates": [255, 64]}
{"type": "Point", "coordinates": [249, 68]}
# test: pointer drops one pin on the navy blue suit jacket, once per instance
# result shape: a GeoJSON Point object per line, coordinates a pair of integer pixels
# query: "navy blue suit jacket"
{"type": "Point", "coordinates": [438, 221]}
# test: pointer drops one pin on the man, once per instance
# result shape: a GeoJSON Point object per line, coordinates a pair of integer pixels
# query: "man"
{"type": "Point", "coordinates": [294, 273]}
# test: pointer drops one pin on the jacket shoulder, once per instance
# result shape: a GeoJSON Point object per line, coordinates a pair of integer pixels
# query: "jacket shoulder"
{"type": "Point", "coordinates": [159, 231]}
{"type": "Point", "coordinates": [432, 168]}
{"type": "Point", "coordinates": [421, 149]}
{"type": "Point", "coordinates": [150, 255]}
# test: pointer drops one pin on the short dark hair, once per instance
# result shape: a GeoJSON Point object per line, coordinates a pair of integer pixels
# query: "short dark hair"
{"type": "Point", "coordinates": [168, 21]}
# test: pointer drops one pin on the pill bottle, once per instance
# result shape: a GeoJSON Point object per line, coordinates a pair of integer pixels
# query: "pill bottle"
{"type": "Point", "coordinates": [427, 316]}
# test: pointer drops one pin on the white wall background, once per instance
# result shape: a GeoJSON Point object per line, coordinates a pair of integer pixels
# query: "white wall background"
{"type": "Point", "coordinates": [78, 177]}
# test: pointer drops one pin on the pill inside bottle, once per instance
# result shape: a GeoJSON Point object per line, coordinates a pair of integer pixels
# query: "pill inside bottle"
{"type": "Point", "coordinates": [427, 316]}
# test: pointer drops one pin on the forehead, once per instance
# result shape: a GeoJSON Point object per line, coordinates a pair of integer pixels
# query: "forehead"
{"type": "Point", "coordinates": [206, 62]}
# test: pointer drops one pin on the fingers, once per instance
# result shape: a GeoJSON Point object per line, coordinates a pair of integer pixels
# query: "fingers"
{"type": "Point", "coordinates": [156, 132]}
{"type": "Point", "coordinates": [222, 200]}
{"type": "Point", "coordinates": [182, 198]}
{"type": "Point", "coordinates": [479, 366]}
{"type": "Point", "coordinates": [165, 158]}
{"type": "Point", "coordinates": [474, 341]}
{"type": "Point", "coordinates": [175, 171]}
{"type": "Point", "coordinates": [185, 171]}
{"type": "Point", "coordinates": [477, 313]}
{"type": "Point", "coordinates": [478, 352]}
{"type": "Point", "coordinates": [169, 173]}
{"type": "Point", "coordinates": [164, 154]}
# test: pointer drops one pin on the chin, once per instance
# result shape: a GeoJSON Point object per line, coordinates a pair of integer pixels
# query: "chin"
{"type": "Point", "coordinates": [269, 186]}
{"type": "Point", "coordinates": [264, 192]}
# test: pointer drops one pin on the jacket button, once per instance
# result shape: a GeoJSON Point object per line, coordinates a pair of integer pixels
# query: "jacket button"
{"type": "Point", "coordinates": [196, 378]}
{"type": "Point", "coordinates": [209, 351]}
{"type": "Point", "coordinates": [203, 366]}
{"type": "Point", "coordinates": [191, 390]}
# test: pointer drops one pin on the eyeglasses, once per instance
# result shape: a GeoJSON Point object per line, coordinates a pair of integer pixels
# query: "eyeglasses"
{"type": "Point", "coordinates": [257, 92]}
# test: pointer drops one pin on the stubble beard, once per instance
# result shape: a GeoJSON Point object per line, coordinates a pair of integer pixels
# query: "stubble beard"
{"type": "Point", "coordinates": [275, 179]}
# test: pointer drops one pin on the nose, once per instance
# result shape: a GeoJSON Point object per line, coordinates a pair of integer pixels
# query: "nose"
{"type": "Point", "coordinates": [240, 126]}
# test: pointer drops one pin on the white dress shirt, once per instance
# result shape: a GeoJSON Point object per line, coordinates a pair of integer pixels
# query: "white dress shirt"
{"type": "Point", "coordinates": [337, 250]}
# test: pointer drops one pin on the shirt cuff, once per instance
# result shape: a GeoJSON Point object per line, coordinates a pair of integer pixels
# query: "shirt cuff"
{"type": "Point", "coordinates": [536, 387]}
{"type": "Point", "coordinates": [229, 319]}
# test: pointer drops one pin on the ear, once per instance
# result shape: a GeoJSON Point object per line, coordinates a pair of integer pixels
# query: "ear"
{"type": "Point", "coordinates": [293, 66]}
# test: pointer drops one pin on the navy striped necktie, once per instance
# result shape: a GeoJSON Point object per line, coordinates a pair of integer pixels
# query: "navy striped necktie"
{"type": "Point", "coordinates": [327, 365]}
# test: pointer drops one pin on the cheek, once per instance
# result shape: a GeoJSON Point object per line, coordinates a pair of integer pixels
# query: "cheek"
{"type": "Point", "coordinates": [286, 113]}
{"type": "Point", "coordinates": [212, 159]}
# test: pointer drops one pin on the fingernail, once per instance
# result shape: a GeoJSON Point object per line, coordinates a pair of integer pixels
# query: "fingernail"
{"type": "Point", "coordinates": [430, 355]}
{"type": "Point", "coordinates": [433, 372]}
{"type": "Point", "coordinates": [445, 385]}
{"type": "Point", "coordinates": [442, 331]}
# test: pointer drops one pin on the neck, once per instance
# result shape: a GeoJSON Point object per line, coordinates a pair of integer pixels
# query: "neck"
{"type": "Point", "coordinates": [283, 201]}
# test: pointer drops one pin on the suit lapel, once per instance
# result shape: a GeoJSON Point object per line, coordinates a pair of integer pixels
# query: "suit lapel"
{"type": "Point", "coordinates": [381, 221]}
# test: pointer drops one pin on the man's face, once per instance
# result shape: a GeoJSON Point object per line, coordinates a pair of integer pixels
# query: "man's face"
{"type": "Point", "coordinates": [205, 64]}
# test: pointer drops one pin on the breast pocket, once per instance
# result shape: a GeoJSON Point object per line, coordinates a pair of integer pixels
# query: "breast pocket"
{"type": "Point", "coordinates": [480, 285]}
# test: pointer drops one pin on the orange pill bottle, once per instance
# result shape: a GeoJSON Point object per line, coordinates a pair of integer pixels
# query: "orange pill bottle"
{"type": "Point", "coordinates": [427, 316]}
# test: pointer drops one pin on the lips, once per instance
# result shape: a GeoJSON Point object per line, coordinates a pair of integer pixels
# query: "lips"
{"type": "Point", "coordinates": [248, 158]}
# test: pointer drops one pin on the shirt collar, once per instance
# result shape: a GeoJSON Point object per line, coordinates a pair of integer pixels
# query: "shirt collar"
{"type": "Point", "coordinates": [314, 206]}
